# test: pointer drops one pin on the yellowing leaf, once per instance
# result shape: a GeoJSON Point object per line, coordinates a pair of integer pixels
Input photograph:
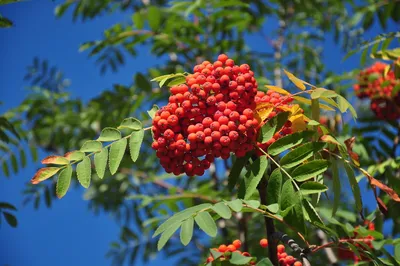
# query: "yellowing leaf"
{"type": "Point", "coordinates": [298, 82]}
{"type": "Point", "coordinates": [263, 110]}
{"type": "Point", "coordinates": [298, 123]}
{"type": "Point", "coordinates": [55, 160]}
{"type": "Point", "coordinates": [308, 102]}
{"type": "Point", "coordinates": [44, 173]}
{"type": "Point", "coordinates": [277, 89]}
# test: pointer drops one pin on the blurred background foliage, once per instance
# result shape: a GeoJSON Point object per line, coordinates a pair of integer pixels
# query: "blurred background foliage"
{"type": "Point", "coordinates": [181, 34]}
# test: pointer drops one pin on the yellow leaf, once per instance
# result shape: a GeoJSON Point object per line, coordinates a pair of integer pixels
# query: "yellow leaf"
{"type": "Point", "coordinates": [263, 110]}
{"type": "Point", "coordinates": [298, 123]}
{"type": "Point", "coordinates": [298, 82]}
{"type": "Point", "coordinates": [277, 89]}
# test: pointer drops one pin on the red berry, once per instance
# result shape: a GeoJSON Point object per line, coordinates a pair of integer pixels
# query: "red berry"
{"type": "Point", "coordinates": [264, 243]}
{"type": "Point", "coordinates": [237, 243]}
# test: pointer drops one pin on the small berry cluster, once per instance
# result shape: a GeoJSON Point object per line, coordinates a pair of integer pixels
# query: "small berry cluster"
{"type": "Point", "coordinates": [228, 250]}
{"type": "Point", "coordinates": [283, 257]}
{"type": "Point", "coordinates": [347, 254]}
{"type": "Point", "coordinates": [374, 84]}
{"type": "Point", "coordinates": [208, 117]}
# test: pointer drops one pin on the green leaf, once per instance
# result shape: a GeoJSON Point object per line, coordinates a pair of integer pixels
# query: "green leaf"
{"type": "Point", "coordinates": [33, 151]}
{"type": "Point", "coordinates": [312, 213]}
{"type": "Point", "coordinates": [264, 262]}
{"type": "Point", "coordinates": [137, 20]}
{"type": "Point", "coordinates": [300, 154]}
{"type": "Point", "coordinates": [5, 22]}
{"type": "Point", "coordinates": [6, 205]}
{"type": "Point", "coordinates": [236, 170]}
{"type": "Point", "coordinates": [44, 173]}
{"type": "Point", "coordinates": [10, 218]}
{"type": "Point", "coordinates": [117, 151]}
{"type": "Point", "coordinates": [91, 146]}
{"type": "Point", "coordinates": [354, 186]}
{"type": "Point", "coordinates": [180, 216]}
{"type": "Point", "coordinates": [252, 203]}
{"type": "Point", "coordinates": [289, 141]}
{"type": "Point", "coordinates": [287, 196]}
{"type": "Point", "coordinates": [321, 92]}
{"type": "Point", "coordinates": [312, 187]}
{"type": "Point", "coordinates": [177, 81]}
{"type": "Point", "coordinates": [272, 126]}
{"type": "Point", "coordinates": [22, 157]}
{"type": "Point", "coordinates": [74, 155]}
{"type": "Point", "coordinates": [274, 207]}
{"type": "Point", "coordinates": [315, 111]}
{"type": "Point", "coordinates": [255, 173]}
{"type": "Point", "coordinates": [186, 233]}
{"type": "Point", "coordinates": [344, 105]}
{"type": "Point", "coordinates": [100, 162]}
{"type": "Point", "coordinates": [142, 82]}
{"type": "Point", "coordinates": [14, 162]}
{"type": "Point", "coordinates": [239, 259]}
{"type": "Point", "coordinates": [4, 2]}
{"type": "Point", "coordinates": [310, 170]}
{"type": "Point", "coordinates": [166, 235]}
{"type": "Point", "coordinates": [274, 187]}
{"type": "Point", "coordinates": [206, 223]}
{"type": "Point", "coordinates": [131, 123]}
{"type": "Point", "coordinates": [109, 134]}
{"type": "Point", "coordinates": [222, 210]}
{"type": "Point", "coordinates": [63, 181]}
{"type": "Point", "coordinates": [336, 186]}
{"type": "Point", "coordinates": [236, 205]}
{"type": "Point", "coordinates": [84, 172]}
{"type": "Point", "coordinates": [152, 111]}
{"type": "Point", "coordinates": [154, 17]}
{"type": "Point", "coordinates": [295, 216]}
{"type": "Point", "coordinates": [55, 160]}
{"type": "Point", "coordinates": [6, 171]}
{"type": "Point", "coordinates": [135, 143]}
{"type": "Point", "coordinates": [397, 251]}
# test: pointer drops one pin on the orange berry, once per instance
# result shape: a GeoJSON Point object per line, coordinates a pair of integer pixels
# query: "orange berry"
{"type": "Point", "coordinates": [264, 243]}
{"type": "Point", "coordinates": [231, 248]}
{"type": "Point", "coordinates": [281, 248]}
{"type": "Point", "coordinates": [298, 263]}
{"type": "Point", "coordinates": [222, 248]}
{"type": "Point", "coordinates": [237, 243]}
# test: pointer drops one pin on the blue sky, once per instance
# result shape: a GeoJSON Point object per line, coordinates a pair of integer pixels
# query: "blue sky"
{"type": "Point", "coordinates": [69, 234]}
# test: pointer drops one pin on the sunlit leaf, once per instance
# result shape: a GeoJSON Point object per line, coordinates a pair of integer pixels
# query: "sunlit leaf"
{"type": "Point", "coordinates": [44, 173]}
{"type": "Point", "coordinates": [255, 174]}
{"type": "Point", "coordinates": [187, 231]}
{"type": "Point", "coordinates": [55, 160]}
{"type": "Point", "coordinates": [206, 223]}
{"type": "Point", "coordinates": [109, 134]}
{"type": "Point", "coordinates": [84, 172]}
{"type": "Point", "coordinates": [117, 151]}
{"type": "Point", "coordinates": [63, 181]}
{"type": "Point", "coordinates": [100, 162]}
{"type": "Point", "coordinates": [135, 142]}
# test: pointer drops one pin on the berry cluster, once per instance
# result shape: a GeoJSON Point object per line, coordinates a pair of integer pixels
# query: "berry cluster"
{"type": "Point", "coordinates": [228, 249]}
{"type": "Point", "coordinates": [347, 254]}
{"type": "Point", "coordinates": [284, 258]}
{"type": "Point", "coordinates": [374, 84]}
{"type": "Point", "coordinates": [208, 117]}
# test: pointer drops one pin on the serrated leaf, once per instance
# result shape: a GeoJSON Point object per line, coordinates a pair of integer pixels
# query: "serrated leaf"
{"type": "Point", "coordinates": [109, 134]}
{"type": "Point", "coordinates": [312, 187]}
{"type": "Point", "coordinates": [287, 198]}
{"type": "Point", "coordinates": [180, 216]}
{"type": "Point", "coordinates": [236, 170]}
{"type": "Point", "coordinates": [264, 262]}
{"type": "Point", "coordinates": [272, 126]}
{"type": "Point", "coordinates": [44, 173]}
{"type": "Point", "coordinates": [222, 210]}
{"type": "Point", "coordinates": [131, 123]}
{"type": "Point", "coordinates": [354, 186]}
{"type": "Point", "coordinates": [289, 141]}
{"type": "Point", "coordinates": [74, 155]}
{"type": "Point", "coordinates": [135, 143]}
{"type": "Point", "coordinates": [166, 235]}
{"type": "Point", "coordinates": [100, 162]}
{"type": "Point", "coordinates": [255, 174]}
{"type": "Point", "coordinates": [322, 92]}
{"type": "Point", "coordinates": [252, 203]}
{"type": "Point", "coordinates": [10, 219]}
{"type": "Point", "coordinates": [152, 111]}
{"type": "Point", "coordinates": [274, 187]}
{"type": "Point", "coordinates": [295, 216]}
{"type": "Point", "coordinates": [206, 223]}
{"type": "Point", "coordinates": [55, 160]}
{"type": "Point", "coordinates": [344, 105]}
{"type": "Point", "coordinates": [117, 151]}
{"type": "Point", "coordinates": [63, 181]}
{"type": "Point", "coordinates": [300, 154]}
{"type": "Point", "coordinates": [91, 146]}
{"type": "Point", "coordinates": [310, 170]}
{"type": "Point", "coordinates": [236, 205]}
{"type": "Point", "coordinates": [336, 186]}
{"type": "Point", "coordinates": [186, 233]}
{"type": "Point", "coordinates": [84, 172]}
{"type": "Point", "coordinates": [239, 259]}
{"type": "Point", "coordinates": [177, 81]}
{"type": "Point", "coordinates": [277, 89]}
{"type": "Point", "coordinates": [298, 82]}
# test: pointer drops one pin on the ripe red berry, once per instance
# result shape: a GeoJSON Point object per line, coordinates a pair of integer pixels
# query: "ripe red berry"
{"type": "Point", "coordinates": [237, 243]}
{"type": "Point", "coordinates": [280, 248]}
{"type": "Point", "coordinates": [264, 243]}
{"type": "Point", "coordinates": [222, 248]}
{"type": "Point", "coordinates": [231, 248]}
